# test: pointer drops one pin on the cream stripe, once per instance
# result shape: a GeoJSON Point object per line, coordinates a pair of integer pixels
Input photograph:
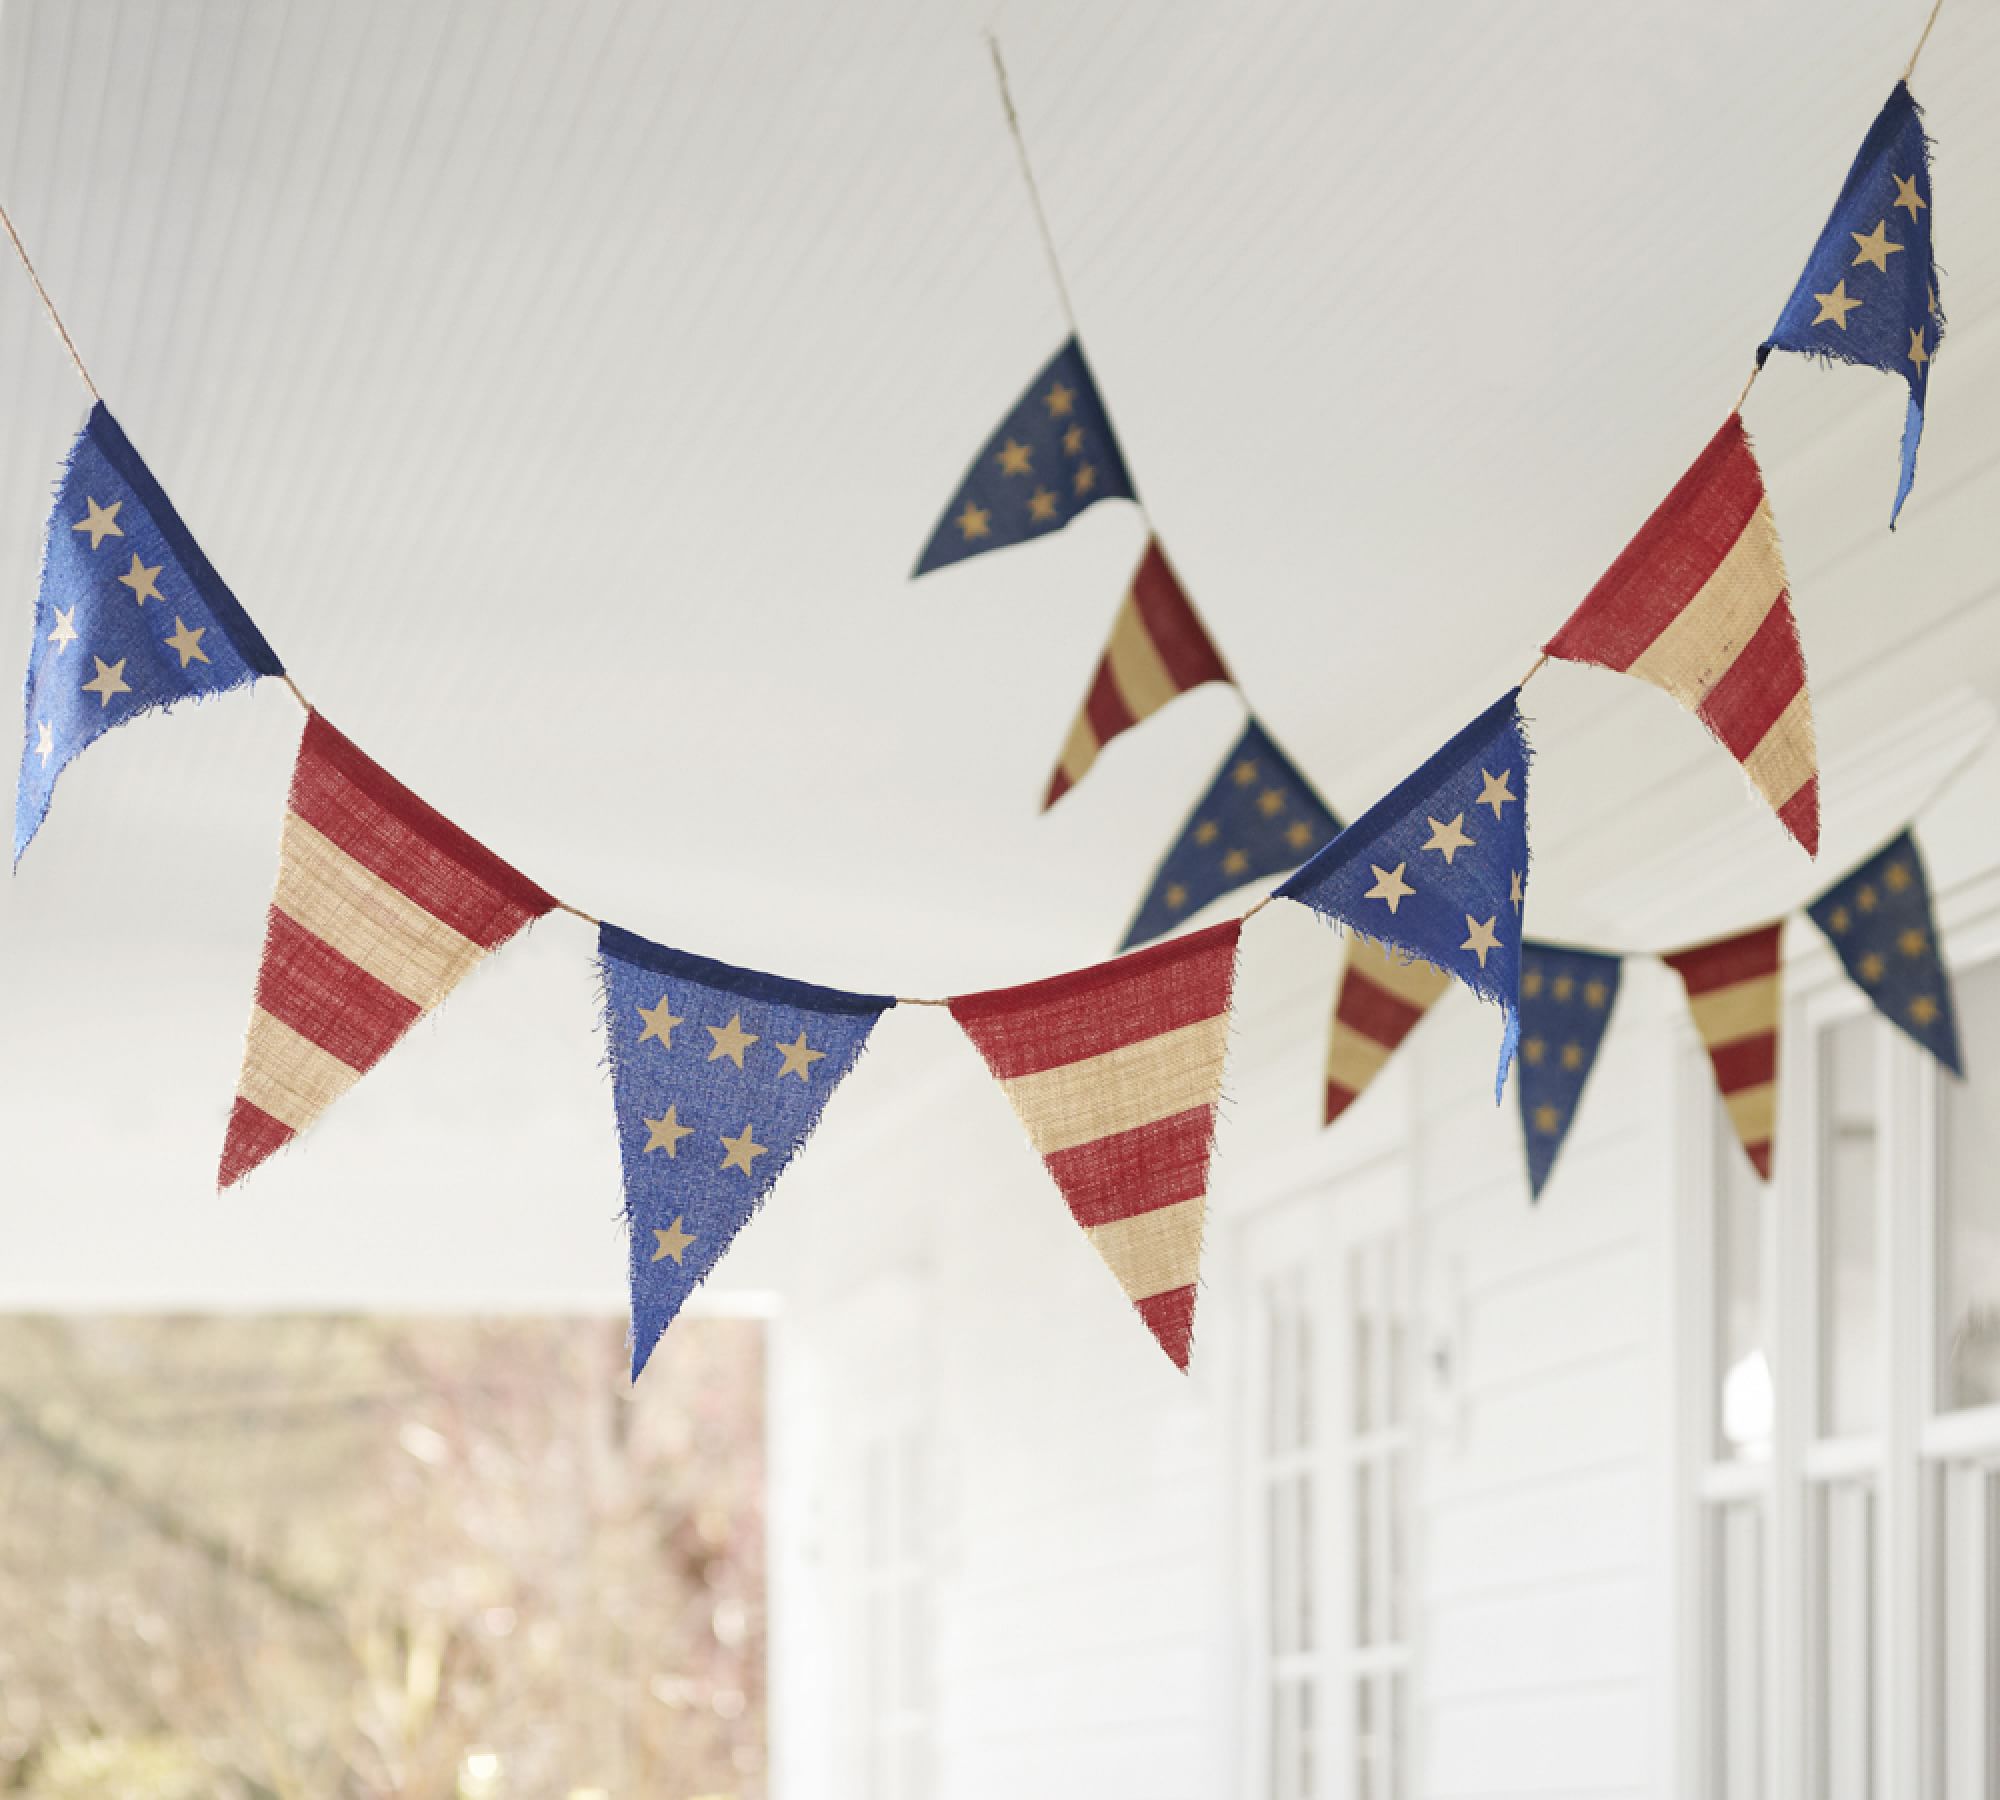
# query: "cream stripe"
{"type": "Point", "coordinates": [1141, 678]}
{"type": "Point", "coordinates": [1353, 1061]}
{"type": "Point", "coordinates": [1698, 646]}
{"type": "Point", "coordinates": [1122, 1089]}
{"type": "Point", "coordinates": [289, 1076]}
{"type": "Point", "coordinates": [1154, 1252]}
{"type": "Point", "coordinates": [1416, 983]}
{"type": "Point", "coordinates": [1079, 749]}
{"type": "Point", "coordinates": [1753, 1111]}
{"type": "Point", "coordinates": [352, 908]}
{"type": "Point", "coordinates": [1739, 1011]}
{"type": "Point", "coordinates": [1786, 757]}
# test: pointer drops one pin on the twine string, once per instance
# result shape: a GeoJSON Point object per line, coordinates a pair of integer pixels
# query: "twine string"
{"type": "Point", "coordinates": [48, 305]}
{"type": "Point", "coordinates": [1028, 178]}
{"type": "Point", "coordinates": [1910, 68]}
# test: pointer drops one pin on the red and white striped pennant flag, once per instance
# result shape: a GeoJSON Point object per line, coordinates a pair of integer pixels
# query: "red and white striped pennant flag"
{"type": "Point", "coordinates": [1380, 1001]}
{"type": "Point", "coordinates": [1734, 991]}
{"type": "Point", "coordinates": [383, 907]}
{"type": "Point", "coordinates": [1116, 1072]}
{"type": "Point", "coordinates": [1159, 649]}
{"type": "Point", "coordinates": [1697, 604]}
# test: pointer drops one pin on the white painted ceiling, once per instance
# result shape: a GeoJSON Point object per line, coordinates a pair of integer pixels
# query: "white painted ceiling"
{"type": "Point", "coordinates": [567, 390]}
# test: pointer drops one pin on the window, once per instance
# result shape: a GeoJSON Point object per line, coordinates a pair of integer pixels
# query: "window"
{"type": "Point", "coordinates": [1286, 1479]}
{"type": "Point", "coordinates": [895, 1617]}
{"type": "Point", "coordinates": [1845, 1436]}
{"type": "Point", "coordinates": [1377, 1448]}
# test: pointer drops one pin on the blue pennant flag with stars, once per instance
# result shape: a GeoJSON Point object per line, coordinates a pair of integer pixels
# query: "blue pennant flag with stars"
{"type": "Point", "coordinates": [1566, 1001]}
{"type": "Point", "coordinates": [131, 615]}
{"type": "Point", "coordinates": [1259, 817]}
{"type": "Point", "coordinates": [1869, 291]}
{"type": "Point", "coordinates": [718, 1075]}
{"type": "Point", "coordinates": [1438, 867]}
{"type": "Point", "coordinates": [1052, 457]}
{"type": "Point", "coordinates": [1878, 919]}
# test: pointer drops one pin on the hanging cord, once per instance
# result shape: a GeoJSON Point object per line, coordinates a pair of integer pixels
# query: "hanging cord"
{"type": "Point", "coordinates": [49, 306]}
{"type": "Point", "coordinates": [1028, 178]}
{"type": "Point", "coordinates": [1910, 68]}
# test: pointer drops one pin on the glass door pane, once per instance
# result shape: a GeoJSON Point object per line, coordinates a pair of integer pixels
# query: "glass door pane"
{"type": "Point", "coordinates": [1846, 1701]}
{"type": "Point", "coordinates": [1968, 1269]}
{"type": "Point", "coordinates": [1850, 1398]}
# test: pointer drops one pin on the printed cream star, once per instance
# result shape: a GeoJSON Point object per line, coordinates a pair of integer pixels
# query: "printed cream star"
{"type": "Point", "coordinates": [1913, 942]}
{"type": "Point", "coordinates": [1572, 1057]}
{"type": "Point", "coordinates": [665, 1133]}
{"type": "Point", "coordinates": [1565, 985]}
{"type": "Point", "coordinates": [1235, 863]}
{"type": "Point", "coordinates": [1244, 773]}
{"type": "Point", "coordinates": [1041, 506]}
{"type": "Point", "coordinates": [1060, 401]}
{"type": "Point", "coordinates": [1875, 247]}
{"type": "Point", "coordinates": [975, 522]}
{"type": "Point", "coordinates": [799, 1058]}
{"type": "Point", "coordinates": [1448, 838]}
{"type": "Point", "coordinates": [1866, 899]}
{"type": "Point", "coordinates": [1514, 890]}
{"type": "Point", "coordinates": [674, 1240]}
{"type": "Point", "coordinates": [143, 582]}
{"type": "Point", "coordinates": [45, 744]}
{"type": "Point", "coordinates": [1176, 896]}
{"type": "Point", "coordinates": [1390, 886]}
{"type": "Point", "coordinates": [1271, 802]}
{"type": "Point", "coordinates": [1299, 835]}
{"type": "Point", "coordinates": [110, 680]}
{"type": "Point", "coordinates": [1907, 196]}
{"type": "Point", "coordinates": [660, 1023]}
{"type": "Point", "coordinates": [1896, 877]}
{"type": "Point", "coordinates": [1534, 1050]}
{"type": "Point", "coordinates": [1834, 307]}
{"type": "Point", "coordinates": [1595, 993]}
{"type": "Point", "coordinates": [1084, 479]}
{"type": "Point", "coordinates": [1871, 967]}
{"type": "Point", "coordinates": [188, 642]}
{"type": "Point", "coordinates": [1547, 1118]}
{"type": "Point", "coordinates": [1013, 458]}
{"type": "Point", "coordinates": [743, 1151]}
{"type": "Point", "coordinates": [1496, 793]}
{"type": "Point", "coordinates": [1916, 352]}
{"type": "Point", "coordinates": [1206, 832]}
{"type": "Point", "coordinates": [101, 523]}
{"type": "Point", "coordinates": [1531, 982]}
{"type": "Point", "coordinates": [64, 634]}
{"type": "Point", "coordinates": [1924, 1010]}
{"type": "Point", "coordinates": [1073, 440]}
{"type": "Point", "coordinates": [1480, 938]}
{"type": "Point", "coordinates": [1840, 918]}
{"type": "Point", "coordinates": [731, 1040]}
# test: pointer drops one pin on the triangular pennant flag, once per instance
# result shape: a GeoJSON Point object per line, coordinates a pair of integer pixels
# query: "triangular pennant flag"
{"type": "Point", "coordinates": [1868, 294]}
{"type": "Point", "coordinates": [1437, 868]}
{"type": "Point", "coordinates": [1878, 919]}
{"type": "Point", "coordinates": [1566, 1001]}
{"type": "Point", "coordinates": [1377, 1005]}
{"type": "Point", "coordinates": [383, 907]}
{"type": "Point", "coordinates": [1697, 605]}
{"type": "Point", "coordinates": [1159, 649]}
{"type": "Point", "coordinates": [1259, 817]}
{"type": "Point", "coordinates": [1116, 1071]}
{"type": "Point", "coordinates": [1734, 991]}
{"type": "Point", "coordinates": [718, 1075]}
{"type": "Point", "coordinates": [131, 615]}
{"type": "Point", "coordinates": [1053, 456]}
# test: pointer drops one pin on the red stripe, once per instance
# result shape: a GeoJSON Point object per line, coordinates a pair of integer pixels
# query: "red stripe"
{"type": "Point", "coordinates": [308, 985]}
{"type": "Point", "coordinates": [415, 849]}
{"type": "Point", "coordinates": [1758, 685]}
{"type": "Point", "coordinates": [1172, 623]}
{"type": "Point", "coordinates": [1105, 707]}
{"type": "Point", "coordinates": [1380, 1016]}
{"type": "Point", "coordinates": [1138, 1171]}
{"type": "Point", "coordinates": [1800, 815]}
{"type": "Point", "coordinates": [1747, 1063]}
{"type": "Point", "coordinates": [1059, 785]}
{"type": "Point", "coordinates": [1170, 1318]}
{"type": "Point", "coordinates": [1045, 1024]}
{"type": "Point", "coordinates": [1760, 1157]}
{"type": "Point", "coordinates": [1676, 551]}
{"type": "Point", "coordinates": [1726, 961]}
{"type": "Point", "coordinates": [253, 1136]}
{"type": "Point", "coordinates": [1338, 1100]}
